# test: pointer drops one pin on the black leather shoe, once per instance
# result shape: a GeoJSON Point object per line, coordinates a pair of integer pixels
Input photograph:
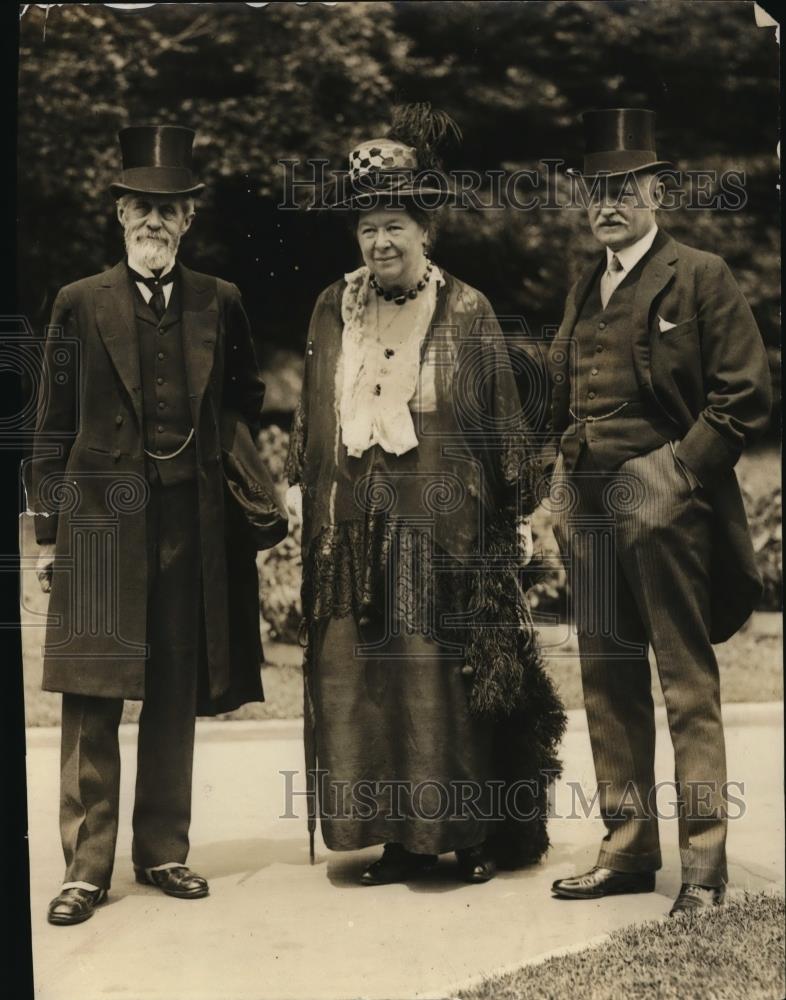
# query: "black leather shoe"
{"type": "Point", "coordinates": [179, 882]}
{"type": "Point", "coordinates": [396, 865]}
{"type": "Point", "coordinates": [697, 897]}
{"type": "Point", "coordinates": [599, 882]}
{"type": "Point", "coordinates": [74, 905]}
{"type": "Point", "coordinates": [475, 865]}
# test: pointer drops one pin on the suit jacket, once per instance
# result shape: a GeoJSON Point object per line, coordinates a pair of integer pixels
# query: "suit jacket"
{"type": "Point", "coordinates": [89, 489]}
{"type": "Point", "coordinates": [706, 370]}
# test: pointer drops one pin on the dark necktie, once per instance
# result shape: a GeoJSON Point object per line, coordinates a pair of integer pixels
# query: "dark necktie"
{"type": "Point", "coordinates": [156, 285]}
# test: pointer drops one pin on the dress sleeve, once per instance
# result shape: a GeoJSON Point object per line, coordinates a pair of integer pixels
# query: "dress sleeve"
{"type": "Point", "coordinates": [297, 443]}
{"type": "Point", "coordinates": [296, 457]}
{"type": "Point", "coordinates": [511, 446]}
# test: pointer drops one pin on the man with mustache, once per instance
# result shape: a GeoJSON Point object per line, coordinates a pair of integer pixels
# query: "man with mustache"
{"type": "Point", "coordinates": [141, 365]}
{"type": "Point", "coordinates": [660, 379]}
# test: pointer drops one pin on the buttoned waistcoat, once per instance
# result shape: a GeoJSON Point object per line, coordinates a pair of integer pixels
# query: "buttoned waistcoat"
{"type": "Point", "coordinates": [699, 360]}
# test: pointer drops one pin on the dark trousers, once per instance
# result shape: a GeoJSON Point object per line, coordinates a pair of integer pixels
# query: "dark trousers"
{"type": "Point", "coordinates": [90, 755]}
{"type": "Point", "coordinates": [638, 545]}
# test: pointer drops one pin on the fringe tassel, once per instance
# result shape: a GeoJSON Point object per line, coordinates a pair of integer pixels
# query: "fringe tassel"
{"type": "Point", "coordinates": [510, 685]}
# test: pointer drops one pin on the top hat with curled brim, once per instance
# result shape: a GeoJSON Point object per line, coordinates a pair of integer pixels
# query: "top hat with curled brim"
{"type": "Point", "coordinates": [157, 159]}
{"type": "Point", "coordinates": [383, 173]}
{"type": "Point", "coordinates": [619, 141]}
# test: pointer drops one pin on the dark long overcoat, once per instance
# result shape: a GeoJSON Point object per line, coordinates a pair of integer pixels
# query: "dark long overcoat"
{"type": "Point", "coordinates": [89, 489]}
{"type": "Point", "coordinates": [699, 357]}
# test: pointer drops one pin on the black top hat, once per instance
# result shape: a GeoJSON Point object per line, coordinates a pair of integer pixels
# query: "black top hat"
{"type": "Point", "coordinates": [156, 160]}
{"type": "Point", "coordinates": [619, 141]}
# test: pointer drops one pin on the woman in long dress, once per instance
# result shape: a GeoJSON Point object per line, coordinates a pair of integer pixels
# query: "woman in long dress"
{"type": "Point", "coordinates": [430, 724]}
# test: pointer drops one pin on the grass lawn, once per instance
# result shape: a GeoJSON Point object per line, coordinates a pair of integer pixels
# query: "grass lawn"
{"type": "Point", "coordinates": [728, 954]}
{"type": "Point", "coordinates": [750, 664]}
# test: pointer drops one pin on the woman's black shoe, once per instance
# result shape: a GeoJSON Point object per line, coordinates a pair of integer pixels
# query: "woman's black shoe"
{"type": "Point", "coordinates": [396, 865]}
{"type": "Point", "coordinates": [475, 864]}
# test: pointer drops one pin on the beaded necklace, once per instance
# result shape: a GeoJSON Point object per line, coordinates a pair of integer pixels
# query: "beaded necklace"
{"type": "Point", "coordinates": [401, 297]}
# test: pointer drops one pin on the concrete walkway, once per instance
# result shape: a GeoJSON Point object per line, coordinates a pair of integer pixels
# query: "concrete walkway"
{"type": "Point", "coordinates": [275, 928]}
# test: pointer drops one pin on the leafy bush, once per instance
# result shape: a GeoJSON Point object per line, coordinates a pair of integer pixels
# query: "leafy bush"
{"type": "Point", "coordinates": [516, 77]}
{"type": "Point", "coordinates": [764, 515]}
{"type": "Point", "coordinates": [280, 567]}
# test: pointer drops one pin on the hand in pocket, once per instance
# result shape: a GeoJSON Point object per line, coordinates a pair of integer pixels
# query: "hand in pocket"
{"type": "Point", "coordinates": [690, 476]}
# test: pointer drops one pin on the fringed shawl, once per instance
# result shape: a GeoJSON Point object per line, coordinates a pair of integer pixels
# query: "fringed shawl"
{"type": "Point", "coordinates": [481, 451]}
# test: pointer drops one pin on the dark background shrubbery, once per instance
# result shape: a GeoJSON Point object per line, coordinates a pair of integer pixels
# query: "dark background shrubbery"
{"type": "Point", "coordinates": [301, 81]}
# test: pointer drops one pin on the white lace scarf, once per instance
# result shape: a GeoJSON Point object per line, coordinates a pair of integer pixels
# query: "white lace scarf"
{"type": "Point", "coordinates": [369, 417]}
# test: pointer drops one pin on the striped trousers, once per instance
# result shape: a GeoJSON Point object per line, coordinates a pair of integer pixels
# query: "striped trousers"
{"type": "Point", "coordinates": [637, 543]}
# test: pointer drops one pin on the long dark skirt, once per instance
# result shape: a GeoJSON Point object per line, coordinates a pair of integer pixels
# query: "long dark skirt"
{"type": "Point", "coordinates": [400, 757]}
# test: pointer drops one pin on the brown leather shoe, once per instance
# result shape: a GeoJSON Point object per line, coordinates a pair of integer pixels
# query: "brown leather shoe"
{"type": "Point", "coordinates": [74, 905]}
{"type": "Point", "coordinates": [697, 897]}
{"type": "Point", "coordinates": [599, 882]}
{"type": "Point", "coordinates": [179, 882]}
{"type": "Point", "coordinates": [396, 865]}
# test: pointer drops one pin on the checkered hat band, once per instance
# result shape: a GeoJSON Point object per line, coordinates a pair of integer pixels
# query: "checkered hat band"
{"type": "Point", "coordinates": [381, 154]}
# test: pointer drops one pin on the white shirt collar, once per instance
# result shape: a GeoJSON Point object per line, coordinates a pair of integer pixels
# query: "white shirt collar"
{"type": "Point", "coordinates": [147, 295]}
{"type": "Point", "coordinates": [630, 256]}
{"type": "Point", "coordinates": [147, 273]}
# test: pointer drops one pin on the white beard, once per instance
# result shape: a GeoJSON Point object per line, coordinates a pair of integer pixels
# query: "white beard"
{"type": "Point", "coordinates": [150, 254]}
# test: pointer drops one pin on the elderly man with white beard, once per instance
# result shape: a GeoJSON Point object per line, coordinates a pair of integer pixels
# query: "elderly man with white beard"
{"type": "Point", "coordinates": [141, 365]}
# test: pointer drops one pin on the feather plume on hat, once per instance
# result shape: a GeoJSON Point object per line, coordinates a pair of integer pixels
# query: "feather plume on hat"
{"type": "Point", "coordinates": [425, 130]}
{"type": "Point", "coordinates": [389, 166]}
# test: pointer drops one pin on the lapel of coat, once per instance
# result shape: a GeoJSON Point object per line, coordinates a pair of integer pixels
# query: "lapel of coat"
{"type": "Point", "coordinates": [200, 332]}
{"type": "Point", "coordinates": [658, 271]}
{"type": "Point", "coordinates": [117, 327]}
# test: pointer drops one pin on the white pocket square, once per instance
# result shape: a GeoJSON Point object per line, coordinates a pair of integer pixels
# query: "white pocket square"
{"type": "Point", "coordinates": [665, 325]}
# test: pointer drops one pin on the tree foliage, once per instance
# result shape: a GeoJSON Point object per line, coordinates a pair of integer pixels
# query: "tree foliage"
{"type": "Point", "coordinates": [299, 81]}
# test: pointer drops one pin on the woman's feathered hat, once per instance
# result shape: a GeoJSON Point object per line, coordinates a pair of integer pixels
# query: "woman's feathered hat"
{"type": "Point", "coordinates": [401, 167]}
